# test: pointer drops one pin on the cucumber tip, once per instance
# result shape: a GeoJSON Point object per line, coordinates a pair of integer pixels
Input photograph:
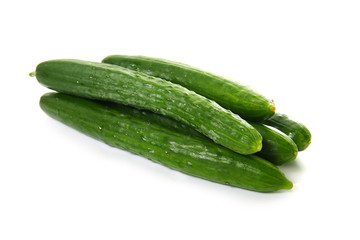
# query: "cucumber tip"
{"type": "Point", "coordinates": [289, 185]}
{"type": "Point", "coordinates": [32, 74]}
{"type": "Point", "coordinates": [259, 147]}
{"type": "Point", "coordinates": [272, 108]}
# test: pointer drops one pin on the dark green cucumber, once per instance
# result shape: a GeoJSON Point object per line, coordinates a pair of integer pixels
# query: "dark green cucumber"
{"type": "Point", "coordinates": [295, 130]}
{"type": "Point", "coordinates": [164, 141]}
{"type": "Point", "coordinates": [113, 83]}
{"type": "Point", "coordinates": [238, 98]}
{"type": "Point", "coordinates": [277, 147]}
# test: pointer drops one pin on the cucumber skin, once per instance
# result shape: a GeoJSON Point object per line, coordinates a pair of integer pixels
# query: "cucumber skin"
{"type": "Point", "coordinates": [164, 141]}
{"type": "Point", "coordinates": [295, 130]}
{"type": "Point", "coordinates": [113, 83]}
{"type": "Point", "coordinates": [277, 147]}
{"type": "Point", "coordinates": [238, 98]}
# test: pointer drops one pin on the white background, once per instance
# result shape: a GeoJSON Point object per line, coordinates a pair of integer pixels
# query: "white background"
{"type": "Point", "coordinates": [56, 183]}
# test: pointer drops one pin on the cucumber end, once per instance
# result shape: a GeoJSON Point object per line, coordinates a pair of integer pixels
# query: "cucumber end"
{"type": "Point", "coordinates": [272, 108]}
{"type": "Point", "coordinates": [32, 74]}
{"type": "Point", "coordinates": [259, 147]}
{"type": "Point", "coordinates": [288, 185]}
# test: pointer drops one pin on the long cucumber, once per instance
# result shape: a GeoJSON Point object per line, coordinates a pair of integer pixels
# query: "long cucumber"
{"type": "Point", "coordinates": [164, 141]}
{"type": "Point", "coordinates": [238, 98]}
{"type": "Point", "coordinates": [113, 83]}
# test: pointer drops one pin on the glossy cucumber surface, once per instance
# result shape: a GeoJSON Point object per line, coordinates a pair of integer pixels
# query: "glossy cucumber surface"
{"type": "Point", "coordinates": [295, 130]}
{"type": "Point", "coordinates": [113, 83]}
{"type": "Point", "coordinates": [165, 141]}
{"type": "Point", "coordinates": [238, 98]}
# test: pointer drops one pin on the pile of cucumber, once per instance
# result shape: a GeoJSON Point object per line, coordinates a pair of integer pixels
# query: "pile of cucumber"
{"type": "Point", "coordinates": [184, 118]}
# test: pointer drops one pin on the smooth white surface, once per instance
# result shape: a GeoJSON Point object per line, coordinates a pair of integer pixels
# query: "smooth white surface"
{"type": "Point", "coordinates": [56, 183]}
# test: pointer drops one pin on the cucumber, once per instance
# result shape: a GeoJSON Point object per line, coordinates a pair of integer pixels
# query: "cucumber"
{"type": "Point", "coordinates": [113, 83]}
{"type": "Point", "coordinates": [276, 147]}
{"type": "Point", "coordinates": [165, 141]}
{"type": "Point", "coordinates": [295, 130]}
{"type": "Point", "coordinates": [240, 99]}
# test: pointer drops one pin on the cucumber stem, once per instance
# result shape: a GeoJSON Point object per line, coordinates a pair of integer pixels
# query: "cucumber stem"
{"type": "Point", "coordinates": [32, 74]}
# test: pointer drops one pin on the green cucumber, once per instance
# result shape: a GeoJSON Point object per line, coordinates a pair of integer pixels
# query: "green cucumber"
{"type": "Point", "coordinates": [165, 141]}
{"type": "Point", "coordinates": [240, 99]}
{"type": "Point", "coordinates": [113, 83]}
{"type": "Point", "coordinates": [276, 147]}
{"type": "Point", "coordinates": [295, 130]}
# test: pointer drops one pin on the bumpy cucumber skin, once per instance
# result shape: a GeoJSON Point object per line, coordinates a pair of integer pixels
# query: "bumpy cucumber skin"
{"type": "Point", "coordinates": [164, 141]}
{"type": "Point", "coordinates": [295, 130]}
{"type": "Point", "coordinates": [113, 83]}
{"type": "Point", "coordinates": [238, 98]}
{"type": "Point", "coordinates": [277, 147]}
